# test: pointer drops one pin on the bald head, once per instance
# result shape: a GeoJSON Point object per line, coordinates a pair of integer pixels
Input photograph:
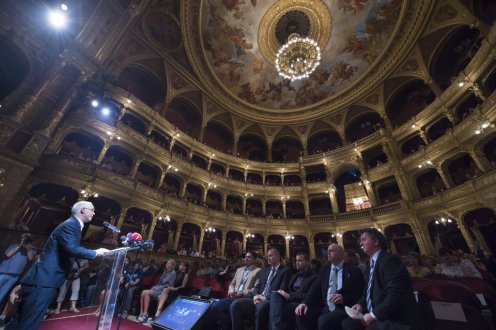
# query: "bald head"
{"type": "Point", "coordinates": [335, 253]}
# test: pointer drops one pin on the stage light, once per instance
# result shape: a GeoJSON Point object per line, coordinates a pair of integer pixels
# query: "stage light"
{"type": "Point", "coordinates": [57, 19]}
{"type": "Point", "coordinates": [64, 7]}
{"type": "Point", "coordinates": [94, 103]}
{"type": "Point", "coordinates": [105, 111]}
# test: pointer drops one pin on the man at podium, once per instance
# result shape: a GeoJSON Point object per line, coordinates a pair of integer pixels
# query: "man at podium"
{"type": "Point", "coordinates": [48, 273]}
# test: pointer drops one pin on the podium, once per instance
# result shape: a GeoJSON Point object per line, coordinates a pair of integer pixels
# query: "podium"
{"type": "Point", "coordinates": [108, 279]}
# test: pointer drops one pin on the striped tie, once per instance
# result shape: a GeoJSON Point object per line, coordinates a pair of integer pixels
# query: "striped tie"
{"type": "Point", "coordinates": [369, 286]}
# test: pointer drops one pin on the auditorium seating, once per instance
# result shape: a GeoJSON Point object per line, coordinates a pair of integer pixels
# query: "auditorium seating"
{"type": "Point", "coordinates": [460, 298]}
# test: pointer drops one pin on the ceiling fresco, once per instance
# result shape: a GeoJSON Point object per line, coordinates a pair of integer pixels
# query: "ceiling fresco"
{"type": "Point", "coordinates": [357, 38]}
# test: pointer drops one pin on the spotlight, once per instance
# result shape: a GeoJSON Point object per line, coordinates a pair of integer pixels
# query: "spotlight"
{"type": "Point", "coordinates": [57, 19]}
{"type": "Point", "coordinates": [105, 111]}
{"type": "Point", "coordinates": [94, 103]}
{"type": "Point", "coordinates": [64, 7]}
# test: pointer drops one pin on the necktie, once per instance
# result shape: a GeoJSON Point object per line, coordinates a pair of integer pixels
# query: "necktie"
{"type": "Point", "coordinates": [369, 286]}
{"type": "Point", "coordinates": [267, 285]}
{"type": "Point", "coordinates": [243, 280]}
{"type": "Point", "coordinates": [333, 286]}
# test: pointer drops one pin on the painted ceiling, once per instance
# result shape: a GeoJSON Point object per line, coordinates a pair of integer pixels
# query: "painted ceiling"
{"type": "Point", "coordinates": [359, 35]}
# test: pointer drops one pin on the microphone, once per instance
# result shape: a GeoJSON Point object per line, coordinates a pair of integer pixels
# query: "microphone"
{"type": "Point", "coordinates": [111, 227]}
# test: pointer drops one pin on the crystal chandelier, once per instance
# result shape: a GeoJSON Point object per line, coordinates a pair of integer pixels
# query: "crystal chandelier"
{"type": "Point", "coordinates": [297, 58]}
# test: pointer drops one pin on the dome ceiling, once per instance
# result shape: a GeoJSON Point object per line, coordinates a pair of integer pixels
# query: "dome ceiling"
{"type": "Point", "coordinates": [233, 45]}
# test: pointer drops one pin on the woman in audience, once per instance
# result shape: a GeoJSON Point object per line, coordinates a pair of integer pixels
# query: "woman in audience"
{"type": "Point", "coordinates": [451, 266]}
{"type": "Point", "coordinates": [415, 267]}
{"type": "Point", "coordinates": [177, 289]}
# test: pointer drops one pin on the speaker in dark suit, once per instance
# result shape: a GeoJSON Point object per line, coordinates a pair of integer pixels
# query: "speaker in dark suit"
{"type": "Point", "coordinates": [339, 284]}
{"type": "Point", "coordinates": [388, 301]}
{"type": "Point", "coordinates": [256, 304]}
{"type": "Point", "coordinates": [48, 273]}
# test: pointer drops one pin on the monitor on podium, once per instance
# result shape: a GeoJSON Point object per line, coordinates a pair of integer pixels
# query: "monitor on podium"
{"type": "Point", "coordinates": [184, 313]}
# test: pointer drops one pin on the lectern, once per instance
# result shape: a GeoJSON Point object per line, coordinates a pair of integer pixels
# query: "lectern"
{"type": "Point", "coordinates": [108, 279]}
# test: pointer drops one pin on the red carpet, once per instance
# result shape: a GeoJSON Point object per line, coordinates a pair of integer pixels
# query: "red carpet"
{"type": "Point", "coordinates": [84, 321]}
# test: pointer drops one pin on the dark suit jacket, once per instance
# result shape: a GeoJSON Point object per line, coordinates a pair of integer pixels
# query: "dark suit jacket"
{"type": "Point", "coordinates": [351, 290]}
{"type": "Point", "coordinates": [391, 292]}
{"type": "Point", "coordinates": [58, 256]}
{"type": "Point", "coordinates": [308, 278]}
{"type": "Point", "coordinates": [279, 282]}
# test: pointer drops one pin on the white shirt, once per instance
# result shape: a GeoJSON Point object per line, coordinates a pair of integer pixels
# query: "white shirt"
{"type": "Point", "coordinates": [81, 223]}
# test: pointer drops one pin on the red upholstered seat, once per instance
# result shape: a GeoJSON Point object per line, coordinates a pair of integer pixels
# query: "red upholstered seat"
{"type": "Point", "coordinates": [451, 292]}
{"type": "Point", "coordinates": [419, 282]}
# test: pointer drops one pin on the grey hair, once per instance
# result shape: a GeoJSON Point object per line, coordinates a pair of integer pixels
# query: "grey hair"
{"type": "Point", "coordinates": [76, 208]}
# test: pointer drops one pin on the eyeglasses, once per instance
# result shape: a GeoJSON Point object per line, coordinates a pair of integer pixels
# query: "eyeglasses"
{"type": "Point", "coordinates": [92, 210]}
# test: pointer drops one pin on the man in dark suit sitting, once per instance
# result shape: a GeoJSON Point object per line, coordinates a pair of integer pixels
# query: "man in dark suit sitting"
{"type": "Point", "coordinates": [339, 284]}
{"type": "Point", "coordinates": [388, 301]}
{"type": "Point", "coordinates": [299, 284]}
{"type": "Point", "coordinates": [48, 273]}
{"type": "Point", "coordinates": [274, 277]}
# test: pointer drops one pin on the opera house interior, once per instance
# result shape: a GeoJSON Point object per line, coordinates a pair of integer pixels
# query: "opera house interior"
{"type": "Point", "coordinates": [222, 126]}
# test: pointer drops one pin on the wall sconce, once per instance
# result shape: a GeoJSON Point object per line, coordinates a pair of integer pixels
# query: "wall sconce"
{"type": "Point", "coordinates": [289, 237]}
{"type": "Point", "coordinates": [209, 230]}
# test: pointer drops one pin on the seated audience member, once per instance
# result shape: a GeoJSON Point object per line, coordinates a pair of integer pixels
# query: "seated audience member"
{"type": "Point", "coordinates": [257, 302]}
{"type": "Point", "coordinates": [451, 266]}
{"type": "Point", "coordinates": [285, 302]}
{"type": "Point", "coordinates": [353, 258]}
{"type": "Point", "coordinates": [388, 301]}
{"type": "Point", "coordinates": [167, 279]}
{"type": "Point", "coordinates": [339, 284]}
{"type": "Point", "coordinates": [14, 260]}
{"type": "Point", "coordinates": [132, 283]}
{"type": "Point", "coordinates": [171, 292]}
{"type": "Point", "coordinates": [415, 268]}
{"type": "Point", "coordinates": [242, 284]}
{"type": "Point", "coordinates": [315, 265]}
{"type": "Point", "coordinates": [151, 269]}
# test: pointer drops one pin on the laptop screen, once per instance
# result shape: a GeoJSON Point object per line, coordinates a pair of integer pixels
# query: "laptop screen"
{"type": "Point", "coordinates": [182, 313]}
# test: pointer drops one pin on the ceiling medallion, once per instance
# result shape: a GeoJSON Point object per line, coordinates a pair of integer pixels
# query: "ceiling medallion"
{"type": "Point", "coordinates": [298, 57]}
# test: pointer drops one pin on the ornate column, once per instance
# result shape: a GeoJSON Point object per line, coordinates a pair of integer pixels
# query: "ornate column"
{"type": "Point", "coordinates": [284, 209]}
{"type": "Point", "coordinates": [120, 220]}
{"type": "Point", "coordinates": [423, 136]}
{"type": "Point", "coordinates": [423, 239]}
{"type": "Point", "coordinates": [464, 231]}
{"type": "Point", "coordinates": [223, 244]}
{"type": "Point", "coordinates": [60, 110]}
{"type": "Point", "coordinates": [178, 234]}
{"type": "Point", "coordinates": [135, 168]}
{"type": "Point", "coordinates": [183, 190]}
{"type": "Point", "coordinates": [200, 241]}
{"type": "Point", "coordinates": [224, 202]}
{"type": "Point", "coordinates": [480, 161]}
{"type": "Point", "coordinates": [244, 206]}
{"type": "Point", "coordinates": [41, 85]}
{"type": "Point", "coordinates": [306, 205]}
{"type": "Point", "coordinates": [370, 192]}
{"type": "Point", "coordinates": [311, 245]}
{"type": "Point", "coordinates": [264, 208]}
{"type": "Point", "coordinates": [287, 249]}
{"type": "Point", "coordinates": [162, 176]}
{"type": "Point", "coordinates": [448, 182]}
{"type": "Point", "coordinates": [339, 239]}
{"type": "Point", "coordinates": [245, 238]}
{"type": "Point", "coordinates": [103, 153]}
{"type": "Point", "coordinates": [480, 239]}
{"type": "Point", "coordinates": [204, 197]}
{"type": "Point", "coordinates": [332, 197]}
{"type": "Point", "coordinates": [209, 164]}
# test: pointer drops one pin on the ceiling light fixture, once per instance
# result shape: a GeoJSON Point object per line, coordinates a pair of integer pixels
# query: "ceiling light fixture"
{"type": "Point", "coordinates": [298, 57]}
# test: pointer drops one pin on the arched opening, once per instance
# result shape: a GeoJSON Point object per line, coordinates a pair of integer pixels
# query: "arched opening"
{"type": "Point", "coordinates": [218, 136]}
{"type": "Point", "coordinates": [409, 100]}
{"type": "Point", "coordinates": [81, 146]}
{"type": "Point", "coordinates": [430, 183]}
{"type": "Point", "coordinates": [143, 84]}
{"type": "Point", "coordinates": [324, 141]}
{"type": "Point", "coordinates": [117, 160]}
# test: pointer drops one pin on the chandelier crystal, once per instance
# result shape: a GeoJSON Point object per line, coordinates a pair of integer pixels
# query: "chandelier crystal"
{"type": "Point", "coordinates": [297, 58]}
